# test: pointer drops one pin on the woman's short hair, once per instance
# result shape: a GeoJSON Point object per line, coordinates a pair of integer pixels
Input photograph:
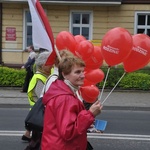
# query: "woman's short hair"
{"type": "Point", "coordinates": [67, 63]}
{"type": "Point", "coordinates": [41, 59]}
{"type": "Point", "coordinates": [63, 53]}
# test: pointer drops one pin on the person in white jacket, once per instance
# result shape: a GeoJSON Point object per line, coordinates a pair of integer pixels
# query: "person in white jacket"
{"type": "Point", "coordinates": [54, 75]}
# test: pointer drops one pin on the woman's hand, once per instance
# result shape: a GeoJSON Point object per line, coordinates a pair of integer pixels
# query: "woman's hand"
{"type": "Point", "coordinates": [96, 108]}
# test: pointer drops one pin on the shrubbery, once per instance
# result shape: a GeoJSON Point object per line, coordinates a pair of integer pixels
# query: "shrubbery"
{"type": "Point", "coordinates": [11, 77]}
{"type": "Point", "coordinates": [139, 80]}
{"type": "Point", "coordinates": [136, 80]}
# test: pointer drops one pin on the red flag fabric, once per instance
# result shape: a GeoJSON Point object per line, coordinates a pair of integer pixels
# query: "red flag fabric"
{"type": "Point", "coordinates": [42, 34]}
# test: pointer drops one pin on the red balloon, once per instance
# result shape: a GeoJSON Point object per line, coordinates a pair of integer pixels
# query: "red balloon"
{"type": "Point", "coordinates": [87, 83]}
{"type": "Point", "coordinates": [94, 76]}
{"type": "Point", "coordinates": [116, 45]}
{"type": "Point", "coordinates": [89, 93]}
{"type": "Point", "coordinates": [84, 50]}
{"type": "Point", "coordinates": [96, 60]}
{"type": "Point", "coordinates": [79, 38]}
{"type": "Point", "coordinates": [140, 54]}
{"type": "Point", "coordinates": [65, 40]}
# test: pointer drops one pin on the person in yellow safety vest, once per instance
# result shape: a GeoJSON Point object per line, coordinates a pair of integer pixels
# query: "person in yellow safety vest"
{"type": "Point", "coordinates": [37, 83]}
{"type": "Point", "coordinates": [34, 88]}
{"type": "Point", "coordinates": [36, 135]}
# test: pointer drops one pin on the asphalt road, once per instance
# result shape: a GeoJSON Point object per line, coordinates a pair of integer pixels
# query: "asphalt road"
{"type": "Point", "coordinates": [126, 129]}
{"type": "Point", "coordinates": [127, 113]}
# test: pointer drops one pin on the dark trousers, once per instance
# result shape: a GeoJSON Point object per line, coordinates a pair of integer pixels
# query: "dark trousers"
{"type": "Point", "coordinates": [29, 74]}
{"type": "Point", "coordinates": [35, 143]}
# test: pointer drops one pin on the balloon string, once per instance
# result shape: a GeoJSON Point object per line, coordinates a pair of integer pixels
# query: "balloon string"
{"type": "Point", "coordinates": [100, 96]}
{"type": "Point", "coordinates": [113, 88]}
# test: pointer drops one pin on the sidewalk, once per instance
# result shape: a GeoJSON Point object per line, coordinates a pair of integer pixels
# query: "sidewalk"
{"type": "Point", "coordinates": [13, 96]}
{"type": "Point", "coordinates": [116, 100]}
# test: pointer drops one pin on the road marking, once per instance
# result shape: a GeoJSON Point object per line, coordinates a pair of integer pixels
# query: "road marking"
{"type": "Point", "coordinates": [11, 133]}
{"type": "Point", "coordinates": [90, 135]}
{"type": "Point", "coordinates": [119, 136]}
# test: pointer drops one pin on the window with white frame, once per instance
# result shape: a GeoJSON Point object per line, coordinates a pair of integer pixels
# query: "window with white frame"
{"type": "Point", "coordinates": [142, 23]}
{"type": "Point", "coordinates": [28, 29]}
{"type": "Point", "coordinates": [81, 24]}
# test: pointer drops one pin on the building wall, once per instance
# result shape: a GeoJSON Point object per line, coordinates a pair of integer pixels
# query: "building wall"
{"type": "Point", "coordinates": [104, 19]}
{"type": "Point", "coordinates": [12, 17]}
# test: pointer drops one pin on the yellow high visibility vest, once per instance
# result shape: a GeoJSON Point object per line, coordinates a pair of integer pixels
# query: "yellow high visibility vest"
{"type": "Point", "coordinates": [36, 77]}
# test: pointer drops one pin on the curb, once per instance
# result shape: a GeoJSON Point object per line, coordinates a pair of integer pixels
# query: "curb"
{"type": "Point", "coordinates": [14, 106]}
{"type": "Point", "coordinates": [10, 88]}
{"type": "Point", "coordinates": [107, 90]}
{"type": "Point", "coordinates": [132, 108]}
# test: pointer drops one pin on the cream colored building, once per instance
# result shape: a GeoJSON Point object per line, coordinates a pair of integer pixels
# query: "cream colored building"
{"type": "Point", "coordinates": [66, 15]}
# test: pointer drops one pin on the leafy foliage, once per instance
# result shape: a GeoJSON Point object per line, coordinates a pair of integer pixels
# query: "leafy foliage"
{"type": "Point", "coordinates": [11, 76]}
{"type": "Point", "coordinates": [135, 80]}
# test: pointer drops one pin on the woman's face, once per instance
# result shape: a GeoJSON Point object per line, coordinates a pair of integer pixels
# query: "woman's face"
{"type": "Point", "coordinates": [76, 76]}
{"type": "Point", "coordinates": [29, 49]}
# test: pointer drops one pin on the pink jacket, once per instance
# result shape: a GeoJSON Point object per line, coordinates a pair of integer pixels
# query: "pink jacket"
{"type": "Point", "coordinates": [65, 120]}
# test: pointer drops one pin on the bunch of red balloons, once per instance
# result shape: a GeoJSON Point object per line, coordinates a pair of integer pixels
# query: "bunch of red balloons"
{"type": "Point", "coordinates": [92, 57]}
{"type": "Point", "coordinates": [119, 46]}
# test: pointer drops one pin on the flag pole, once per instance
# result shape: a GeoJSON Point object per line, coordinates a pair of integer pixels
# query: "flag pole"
{"type": "Point", "coordinates": [57, 53]}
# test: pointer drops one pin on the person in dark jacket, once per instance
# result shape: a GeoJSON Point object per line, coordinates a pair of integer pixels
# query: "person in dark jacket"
{"type": "Point", "coordinates": [29, 68]}
{"type": "Point", "coordinates": [65, 119]}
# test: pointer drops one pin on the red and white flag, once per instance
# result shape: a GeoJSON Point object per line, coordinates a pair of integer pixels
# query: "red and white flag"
{"type": "Point", "coordinates": [42, 34]}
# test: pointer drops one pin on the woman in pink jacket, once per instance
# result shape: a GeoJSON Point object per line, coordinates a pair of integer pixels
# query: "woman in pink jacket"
{"type": "Point", "coordinates": [66, 120]}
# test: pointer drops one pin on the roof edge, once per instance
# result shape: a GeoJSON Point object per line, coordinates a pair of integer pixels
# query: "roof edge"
{"type": "Point", "coordinates": [68, 2]}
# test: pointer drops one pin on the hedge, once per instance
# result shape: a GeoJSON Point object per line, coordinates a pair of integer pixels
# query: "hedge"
{"type": "Point", "coordinates": [11, 76]}
{"type": "Point", "coordinates": [135, 80]}
{"type": "Point", "coordinates": [138, 80]}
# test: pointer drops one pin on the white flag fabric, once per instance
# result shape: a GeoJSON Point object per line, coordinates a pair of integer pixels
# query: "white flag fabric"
{"type": "Point", "coordinates": [41, 31]}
